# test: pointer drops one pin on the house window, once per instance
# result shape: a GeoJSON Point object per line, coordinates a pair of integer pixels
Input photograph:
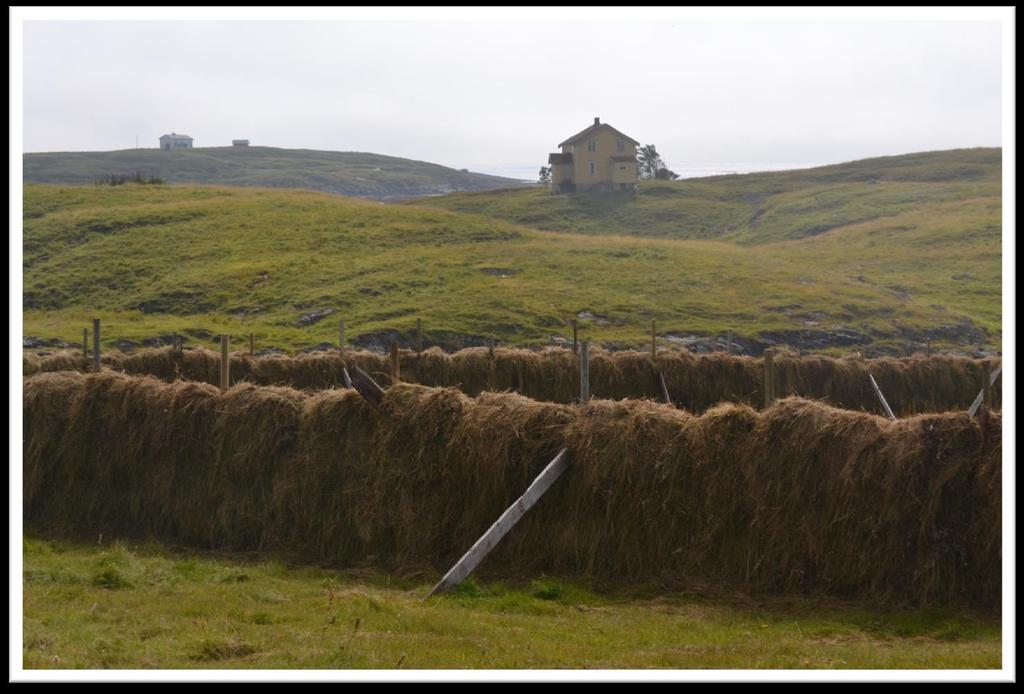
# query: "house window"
{"type": "Point", "coordinates": [593, 168]}
{"type": "Point", "coordinates": [592, 146]}
{"type": "Point", "coordinates": [621, 146]}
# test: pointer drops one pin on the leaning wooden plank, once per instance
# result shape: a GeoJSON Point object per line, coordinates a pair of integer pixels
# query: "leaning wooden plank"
{"type": "Point", "coordinates": [878, 392]}
{"type": "Point", "coordinates": [348, 379]}
{"type": "Point", "coordinates": [664, 389]}
{"type": "Point", "coordinates": [367, 387]}
{"type": "Point", "coordinates": [981, 394]}
{"type": "Point", "coordinates": [482, 547]}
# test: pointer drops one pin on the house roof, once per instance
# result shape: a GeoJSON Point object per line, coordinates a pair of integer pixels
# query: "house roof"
{"type": "Point", "coordinates": [560, 158]}
{"type": "Point", "coordinates": [178, 135]}
{"type": "Point", "coordinates": [593, 129]}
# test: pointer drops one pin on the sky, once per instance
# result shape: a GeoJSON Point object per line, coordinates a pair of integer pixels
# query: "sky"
{"type": "Point", "coordinates": [498, 96]}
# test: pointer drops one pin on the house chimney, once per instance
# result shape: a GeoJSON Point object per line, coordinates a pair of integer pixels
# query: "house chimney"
{"type": "Point", "coordinates": [597, 121]}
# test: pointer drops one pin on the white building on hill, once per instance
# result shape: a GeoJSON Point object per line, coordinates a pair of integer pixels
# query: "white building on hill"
{"type": "Point", "coordinates": [175, 141]}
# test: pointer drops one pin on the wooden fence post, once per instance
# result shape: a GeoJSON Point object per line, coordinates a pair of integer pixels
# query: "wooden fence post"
{"type": "Point", "coordinates": [341, 337]}
{"type": "Point", "coordinates": [769, 377]}
{"type": "Point", "coordinates": [654, 343]}
{"type": "Point", "coordinates": [584, 372]}
{"type": "Point", "coordinates": [85, 342]}
{"type": "Point", "coordinates": [728, 341]}
{"type": "Point", "coordinates": [252, 345]}
{"type": "Point", "coordinates": [575, 333]}
{"type": "Point", "coordinates": [395, 375]}
{"type": "Point", "coordinates": [419, 336]}
{"type": "Point", "coordinates": [96, 344]}
{"type": "Point", "coordinates": [225, 362]}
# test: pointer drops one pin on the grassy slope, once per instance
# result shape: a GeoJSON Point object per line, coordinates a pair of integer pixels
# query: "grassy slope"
{"type": "Point", "coordinates": [756, 208]}
{"type": "Point", "coordinates": [199, 255]}
{"type": "Point", "coordinates": [114, 606]}
{"type": "Point", "coordinates": [357, 174]}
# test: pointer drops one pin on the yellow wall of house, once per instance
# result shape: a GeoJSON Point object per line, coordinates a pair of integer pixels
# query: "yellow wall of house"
{"type": "Point", "coordinates": [606, 147]}
{"type": "Point", "coordinates": [560, 172]}
{"type": "Point", "coordinates": [623, 172]}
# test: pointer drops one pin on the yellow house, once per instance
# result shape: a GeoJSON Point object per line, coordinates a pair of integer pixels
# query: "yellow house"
{"type": "Point", "coordinates": [598, 158]}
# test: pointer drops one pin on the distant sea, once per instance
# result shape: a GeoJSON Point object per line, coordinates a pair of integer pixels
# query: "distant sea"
{"type": "Point", "coordinates": [529, 173]}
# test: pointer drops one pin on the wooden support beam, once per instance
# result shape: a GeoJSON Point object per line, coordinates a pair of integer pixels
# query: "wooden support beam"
{"type": "Point", "coordinates": [95, 344]}
{"type": "Point", "coordinates": [482, 547]}
{"type": "Point", "coordinates": [664, 389]}
{"type": "Point", "coordinates": [366, 387]}
{"type": "Point", "coordinates": [252, 345]}
{"type": "Point", "coordinates": [728, 341]}
{"type": "Point", "coordinates": [584, 372]}
{"type": "Point", "coordinates": [348, 379]}
{"type": "Point", "coordinates": [981, 394]}
{"type": "Point", "coordinates": [768, 380]}
{"type": "Point", "coordinates": [225, 362]}
{"type": "Point", "coordinates": [85, 342]}
{"type": "Point", "coordinates": [575, 335]}
{"type": "Point", "coordinates": [419, 336]}
{"type": "Point", "coordinates": [881, 398]}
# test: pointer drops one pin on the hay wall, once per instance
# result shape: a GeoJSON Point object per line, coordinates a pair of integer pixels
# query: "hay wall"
{"type": "Point", "coordinates": [912, 385]}
{"type": "Point", "coordinates": [800, 499]}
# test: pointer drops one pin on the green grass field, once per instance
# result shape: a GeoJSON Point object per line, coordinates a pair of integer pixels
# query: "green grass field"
{"type": "Point", "coordinates": [917, 249]}
{"type": "Point", "coordinates": [759, 207]}
{"type": "Point", "coordinates": [358, 174]}
{"type": "Point", "coordinates": [113, 605]}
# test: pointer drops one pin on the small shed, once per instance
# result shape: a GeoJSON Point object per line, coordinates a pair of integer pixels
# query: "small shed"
{"type": "Point", "coordinates": [239, 143]}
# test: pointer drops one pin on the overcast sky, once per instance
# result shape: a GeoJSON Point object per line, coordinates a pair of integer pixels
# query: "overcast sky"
{"type": "Point", "coordinates": [492, 96]}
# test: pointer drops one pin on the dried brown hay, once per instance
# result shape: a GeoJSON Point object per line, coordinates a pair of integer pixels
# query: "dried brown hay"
{"type": "Point", "coordinates": [695, 382]}
{"type": "Point", "coordinates": [799, 499]}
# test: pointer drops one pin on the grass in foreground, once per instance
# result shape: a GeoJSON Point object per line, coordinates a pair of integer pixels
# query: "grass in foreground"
{"type": "Point", "coordinates": [121, 606]}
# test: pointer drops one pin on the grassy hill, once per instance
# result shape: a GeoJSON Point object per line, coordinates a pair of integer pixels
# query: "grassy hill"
{"type": "Point", "coordinates": [754, 208]}
{"type": "Point", "coordinates": [285, 265]}
{"type": "Point", "coordinates": [355, 174]}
